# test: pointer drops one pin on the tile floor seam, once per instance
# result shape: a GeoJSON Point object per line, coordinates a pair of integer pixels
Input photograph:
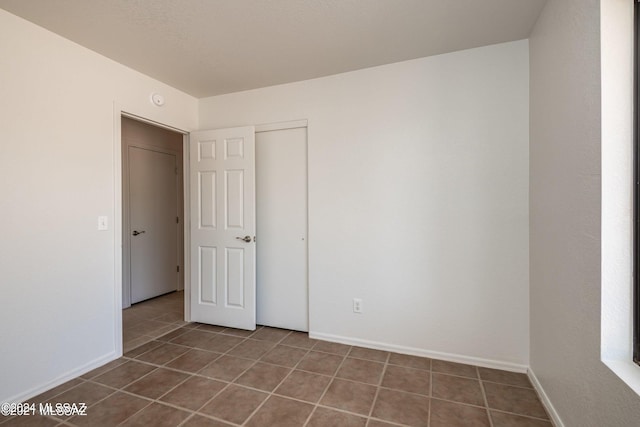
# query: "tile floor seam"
{"type": "Point", "coordinates": [521, 415]}
{"type": "Point", "coordinates": [151, 402]}
{"type": "Point", "coordinates": [135, 413]}
{"type": "Point", "coordinates": [272, 392]}
{"type": "Point", "coordinates": [379, 385]}
{"type": "Point", "coordinates": [211, 417]}
{"type": "Point", "coordinates": [459, 376]}
{"type": "Point", "coordinates": [186, 420]}
{"type": "Point", "coordinates": [210, 400]}
{"type": "Point", "coordinates": [485, 399]}
{"type": "Point", "coordinates": [333, 378]}
{"type": "Point", "coordinates": [345, 411]}
{"type": "Point", "coordinates": [510, 385]}
{"type": "Point", "coordinates": [430, 394]}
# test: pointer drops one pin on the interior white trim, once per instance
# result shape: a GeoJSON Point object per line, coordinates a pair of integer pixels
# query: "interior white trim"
{"type": "Point", "coordinates": [293, 124]}
{"type": "Point", "coordinates": [117, 226]}
{"type": "Point", "coordinates": [186, 224]}
{"type": "Point", "coordinates": [152, 122]}
{"type": "Point", "coordinates": [546, 402]}
{"type": "Point", "coordinates": [449, 357]}
{"type": "Point", "coordinates": [67, 376]}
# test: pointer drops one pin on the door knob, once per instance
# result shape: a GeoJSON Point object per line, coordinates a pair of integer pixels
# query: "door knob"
{"type": "Point", "coordinates": [136, 232]}
{"type": "Point", "coordinates": [245, 238]}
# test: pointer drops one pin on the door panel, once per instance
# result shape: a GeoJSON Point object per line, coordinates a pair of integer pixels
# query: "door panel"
{"type": "Point", "coordinates": [223, 276]}
{"type": "Point", "coordinates": [281, 188]}
{"type": "Point", "coordinates": [153, 212]}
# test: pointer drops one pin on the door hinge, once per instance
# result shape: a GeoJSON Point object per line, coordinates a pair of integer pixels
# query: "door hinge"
{"type": "Point", "coordinates": [176, 171]}
{"type": "Point", "coordinates": [177, 220]}
{"type": "Point", "coordinates": [178, 268]}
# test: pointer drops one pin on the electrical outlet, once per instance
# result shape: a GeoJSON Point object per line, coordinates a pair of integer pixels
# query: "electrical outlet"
{"type": "Point", "coordinates": [357, 305]}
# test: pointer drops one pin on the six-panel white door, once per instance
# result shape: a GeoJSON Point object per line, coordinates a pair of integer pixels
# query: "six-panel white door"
{"type": "Point", "coordinates": [223, 224]}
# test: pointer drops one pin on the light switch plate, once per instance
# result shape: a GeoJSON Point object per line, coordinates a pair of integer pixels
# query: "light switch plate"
{"type": "Point", "coordinates": [103, 223]}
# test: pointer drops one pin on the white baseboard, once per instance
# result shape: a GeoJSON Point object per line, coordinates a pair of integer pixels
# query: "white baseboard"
{"type": "Point", "coordinates": [449, 357]}
{"type": "Point", "coordinates": [74, 373]}
{"type": "Point", "coordinates": [551, 410]}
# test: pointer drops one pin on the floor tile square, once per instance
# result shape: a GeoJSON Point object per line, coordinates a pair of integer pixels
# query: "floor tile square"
{"type": "Point", "coordinates": [410, 361]}
{"type": "Point", "coordinates": [29, 421]}
{"type": "Point", "coordinates": [453, 368]}
{"type": "Point", "coordinates": [517, 400]}
{"type": "Point", "coordinates": [111, 411]}
{"type": "Point", "coordinates": [304, 386]}
{"type": "Point", "coordinates": [320, 363]}
{"type": "Point", "coordinates": [193, 360]}
{"type": "Point", "coordinates": [332, 347]}
{"type": "Point", "coordinates": [263, 376]}
{"type": "Point", "coordinates": [500, 419]}
{"type": "Point", "coordinates": [463, 390]}
{"type": "Point", "coordinates": [284, 355]}
{"type": "Point", "coordinates": [299, 339]}
{"type": "Point", "coordinates": [281, 412]}
{"type": "Point", "coordinates": [143, 349]}
{"type": "Point", "coordinates": [88, 393]}
{"type": "Point", "coordinates": [234, 404]}
{"type": "Point", "coordinates": [251, 349]}
{"type": "Point", "coordinates": [449, 414]}
{"type": "Point", "coordinates": [193, 338]}
{"type": "Point", "coordinates": [504, 377]}
{"type": "Point", "coordinates": [221, 343]}
{"type": "Point", "coordinates": [226, 368]}
{"type": "Point", "coordinates": [193, 393]}
{"type": "Point", "coordinates": [104, 368]}
{"type": "Point", "coordinates": [369, 354]}
{"type": "Point", "coordinates": [156, 383]}
{"type": "Point", "coordinates": [47, 395]}
{"type": "Point", "coordinates": [349, 396]}
{"type": "Point", "coordinates": [378, 423]}
{"type": "Point", "coordinates": [403, 408]}
{"type": "Point", "coordinates": [407, 379]}
{"type": "Point", "coordinates": [157, 415]}
{"type": "Point", "coordinates": [124, 374]}
{"type": "Point", "coordinates": [162, 354]}
{"type": "Point", "coordinates": [201, 421]}
{"type": "Point", "coordinates": [365, 371]}
{"type": "Point", "coordinates": [210, 328]}
{"type": "Point", "coordinates": [237, 332]}
{"type": "Point", "coordinates": [323, 417]}
{"type": "Point", "coordinates": [173, 334]}
{"type": "Point", "coordinates": [267, 333]}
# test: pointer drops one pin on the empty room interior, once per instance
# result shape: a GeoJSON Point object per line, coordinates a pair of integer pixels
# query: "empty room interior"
{"type": "Point", "coordinates": [317, 213]}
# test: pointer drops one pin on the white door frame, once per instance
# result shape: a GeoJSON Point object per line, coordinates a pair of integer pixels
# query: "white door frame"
{"type": "Point", "coordinates": [118, 113]}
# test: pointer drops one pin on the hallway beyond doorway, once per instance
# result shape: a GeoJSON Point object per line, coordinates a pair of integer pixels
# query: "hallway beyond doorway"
{"type": "Point", "coordinates": [147, 320]}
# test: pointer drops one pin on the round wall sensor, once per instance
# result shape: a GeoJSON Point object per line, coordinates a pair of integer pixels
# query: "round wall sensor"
{"type": "Point", "coordinates": [157, 99]}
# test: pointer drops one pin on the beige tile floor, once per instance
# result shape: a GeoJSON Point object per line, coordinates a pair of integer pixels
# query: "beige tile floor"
{"type": "Point", "coordinates": [202, 375]}
{"type": "Point", "coordinates": [150, 319]}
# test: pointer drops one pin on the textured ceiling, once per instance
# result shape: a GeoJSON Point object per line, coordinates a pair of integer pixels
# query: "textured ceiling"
{"type": "Point", "coordinates": [210, 47]}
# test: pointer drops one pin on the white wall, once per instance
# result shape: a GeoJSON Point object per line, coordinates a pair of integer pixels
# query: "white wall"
{"type": "Point", "coordinates": [418, 200]}
{"type": "Point", "coordinates": [58, 286]}
{"type": "Point", "coordinates": [565, 215]}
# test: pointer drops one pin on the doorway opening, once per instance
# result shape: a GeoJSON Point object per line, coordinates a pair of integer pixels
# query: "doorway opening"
{"type": "Point", "coordinates": [152, 231]}
{"type": "Point", "coordinates": [172, 317]}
